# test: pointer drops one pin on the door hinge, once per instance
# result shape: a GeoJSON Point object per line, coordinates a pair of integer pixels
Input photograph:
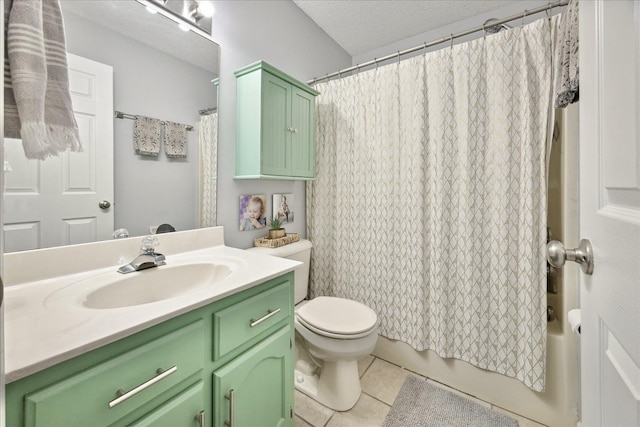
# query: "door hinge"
{"type": "Point", "coordinates": [290, 342]}
{"type": "Point", "coordinates": [291, 411]}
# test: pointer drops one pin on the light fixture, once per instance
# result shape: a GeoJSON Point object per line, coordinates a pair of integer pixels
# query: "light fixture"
{"type": "Point", "coordinates": [199, 10]}
{"type": "Point", "coordinates": [195, 15]}
{"type": "Point", "coordinates": [185, 18]}
{"type": "Point", "coordinates": [205, 7]}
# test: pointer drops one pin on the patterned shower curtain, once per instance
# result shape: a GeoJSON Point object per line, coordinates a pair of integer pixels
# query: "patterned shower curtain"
{"type": "Point", "coordinates": [430, 199]}
{"type": "Point", "coordinates": [208, 150]}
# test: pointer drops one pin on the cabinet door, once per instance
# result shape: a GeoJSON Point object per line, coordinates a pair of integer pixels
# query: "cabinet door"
{"type": "Point", "coordinates": [181, 411]}
{"type": "Point", "coordinates": [303, 137]}
{"type": "Point", "coordinates": [256, 389]}
{"type": "Point", "coordinates": [276, 125]}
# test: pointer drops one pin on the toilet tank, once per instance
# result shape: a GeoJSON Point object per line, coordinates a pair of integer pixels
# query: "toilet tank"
{"type": "Point", "coordinates": [297, 251]}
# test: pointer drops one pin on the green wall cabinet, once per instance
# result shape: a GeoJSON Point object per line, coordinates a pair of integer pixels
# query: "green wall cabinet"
{"type": "Point", "coordinates": [276, 125]}
{"type": "Point", "coordinates": [177, 373]}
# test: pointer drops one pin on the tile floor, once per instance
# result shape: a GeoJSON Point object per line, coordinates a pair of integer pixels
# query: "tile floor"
{"type": "Point", "coordinates": [381, 381]}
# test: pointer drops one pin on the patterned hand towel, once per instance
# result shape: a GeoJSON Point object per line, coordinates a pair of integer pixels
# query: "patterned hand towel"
{"type": "Point", "coordinates": [175, 140]}
{"type": "Point", "coordinates": [37, 103]}
{"type": "Point", "coordinates": [568, 73]}
{"type": "Point", "coordinates": [146, 136]}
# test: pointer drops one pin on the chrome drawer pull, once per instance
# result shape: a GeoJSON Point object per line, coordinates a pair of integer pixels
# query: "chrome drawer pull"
{"type": "Point", "coordinates": [230, 398]}
{"type": "Point", "coordinates": [122, 396]}
{"type": "Point", "coordinates": [270, 313]}
{"type": "Point", "coordinates": [200, 419]}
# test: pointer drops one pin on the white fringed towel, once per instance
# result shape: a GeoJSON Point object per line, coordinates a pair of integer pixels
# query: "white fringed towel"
{"type": "Point", "coordinates": [568, 73]}
{"type": "Point", "coordinates": [175, 140]}
{"type": "Point", "coordinates": [37, 103]}
{"type": "Point", "coordinates": [146, 136]}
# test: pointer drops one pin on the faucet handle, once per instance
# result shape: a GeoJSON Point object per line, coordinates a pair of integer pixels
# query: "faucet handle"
{"type": "Point", "coordinates": [149, 244]}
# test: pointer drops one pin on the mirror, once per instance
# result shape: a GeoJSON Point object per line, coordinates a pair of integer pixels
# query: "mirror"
{"type": "Point", "coordinates": [157, 71]}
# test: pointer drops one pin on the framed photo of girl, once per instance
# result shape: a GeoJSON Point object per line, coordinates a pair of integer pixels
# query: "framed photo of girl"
{"type": "Point", "coordinates": [253, 208]}
{"type": "Point", "coordinates": [283, 207]}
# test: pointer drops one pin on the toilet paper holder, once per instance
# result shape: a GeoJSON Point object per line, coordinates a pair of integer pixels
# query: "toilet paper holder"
{"type": "Point", "coordinates": [557, 255]}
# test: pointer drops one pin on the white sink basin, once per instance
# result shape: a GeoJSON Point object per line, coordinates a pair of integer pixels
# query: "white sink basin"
{"type": "Point", "coordinates": [110, 289]}
{"type": "Point", "coordinates": [155, 284]}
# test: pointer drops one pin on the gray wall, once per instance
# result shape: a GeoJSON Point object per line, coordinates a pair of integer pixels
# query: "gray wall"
{"type": "Point", "coordinates": [148, 191]}
{"type": "Point", "coordinates": [279, 33]}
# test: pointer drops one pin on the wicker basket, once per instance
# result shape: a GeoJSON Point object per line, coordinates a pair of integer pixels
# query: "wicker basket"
{"type": "Point", "coordinates": [265, 242]}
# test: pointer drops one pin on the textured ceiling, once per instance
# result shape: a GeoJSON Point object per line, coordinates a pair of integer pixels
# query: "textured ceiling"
{"type": "Point", "coordinates": [363, 25]}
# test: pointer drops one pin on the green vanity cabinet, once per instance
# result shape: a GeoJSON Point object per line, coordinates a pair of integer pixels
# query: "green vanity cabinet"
{"type": "Point", "coordinates": [176, 373]}
{"type": "Point", "coordinates": [276, 125]}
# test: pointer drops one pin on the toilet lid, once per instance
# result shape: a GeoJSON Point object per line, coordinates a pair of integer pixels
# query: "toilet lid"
{"type": "Point", "coordinates": [333, 316]}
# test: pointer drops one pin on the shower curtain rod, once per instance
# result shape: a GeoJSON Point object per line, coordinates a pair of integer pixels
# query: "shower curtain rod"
{"type": "Point", "coordinates": [439, 41]}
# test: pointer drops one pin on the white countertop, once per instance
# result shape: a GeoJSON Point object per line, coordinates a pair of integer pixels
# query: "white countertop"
{"type": "Point", "coordinates": [45, 322]}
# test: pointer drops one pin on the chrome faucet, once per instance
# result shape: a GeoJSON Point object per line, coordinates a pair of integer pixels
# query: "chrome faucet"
{"type": "Point", "coordinates": [148, 257]}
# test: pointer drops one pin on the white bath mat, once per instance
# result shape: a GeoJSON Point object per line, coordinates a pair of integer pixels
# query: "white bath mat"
{"type": "Point", "coordinates": [420, 403]}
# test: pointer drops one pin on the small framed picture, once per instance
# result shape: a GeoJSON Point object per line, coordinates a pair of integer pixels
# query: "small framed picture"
{"type": "Point", "coordinates": [283, 207]}
{"type": "Point", "coordinates": [253, 209]}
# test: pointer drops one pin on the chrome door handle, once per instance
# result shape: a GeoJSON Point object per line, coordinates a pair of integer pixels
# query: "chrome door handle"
{"type": "Point", "coordinates": [229, 397]}
{"type": "Point", "coordinates": [270, 313]}
{"type": "Point", "coordinates": [104, 204]}
{"type": "Point", "coordinates": [583, 255]}
{"type": "Point", "coordinates": [122, 396]}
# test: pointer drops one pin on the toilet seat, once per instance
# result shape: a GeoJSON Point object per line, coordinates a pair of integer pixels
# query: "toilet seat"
{"type": "Point", "coordinates": [337, 317]}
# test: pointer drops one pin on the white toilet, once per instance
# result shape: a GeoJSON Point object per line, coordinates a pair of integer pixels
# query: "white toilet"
{"type": "Point", "coordinates": [331, 335]}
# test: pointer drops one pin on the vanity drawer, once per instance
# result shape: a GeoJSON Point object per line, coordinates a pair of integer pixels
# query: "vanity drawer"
{"type": "Point", "coordinates": [243, 321]}
{"type": "Point", "coordinates": [106, 392]}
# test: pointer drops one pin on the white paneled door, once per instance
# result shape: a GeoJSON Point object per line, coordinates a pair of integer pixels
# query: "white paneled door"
{"type": "Point", "coordinates": [57, 201]}
{"type": "Point", "coordinates": [610, 211]}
